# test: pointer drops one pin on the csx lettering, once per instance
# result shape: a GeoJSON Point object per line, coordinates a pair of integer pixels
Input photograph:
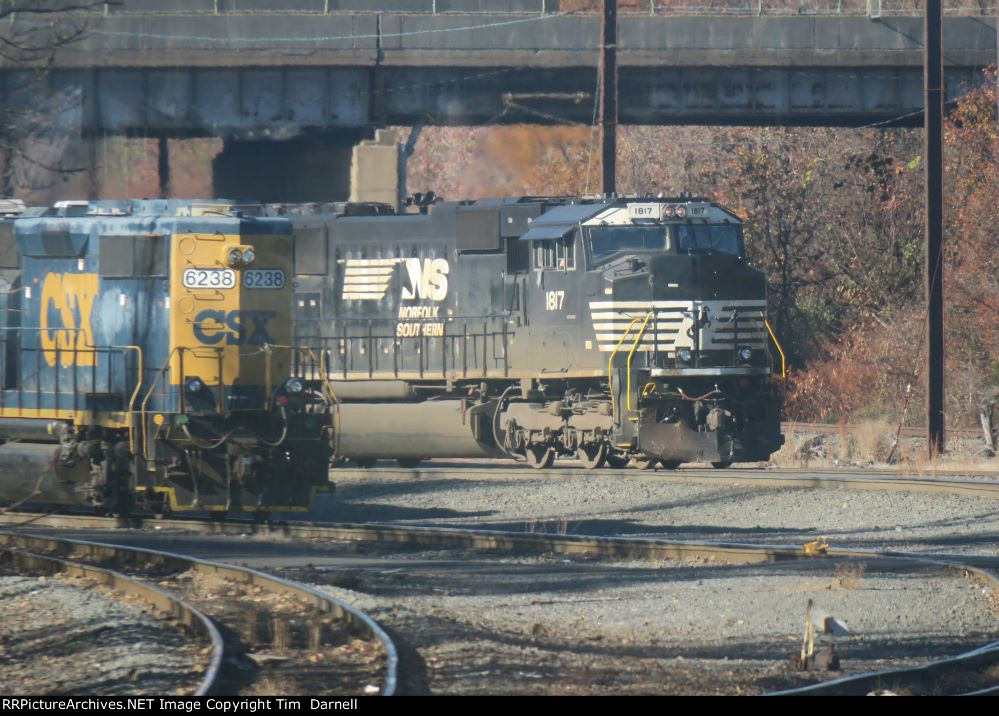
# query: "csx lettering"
{"type": "Point", "coordinates": [67, 303]}
{"type": "Point", "coordinates": [237, 328]}
{"type": "Point", "coordinates": [427, 279]}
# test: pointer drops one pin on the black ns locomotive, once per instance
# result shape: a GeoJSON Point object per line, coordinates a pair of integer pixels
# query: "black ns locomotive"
{"type": "Point", "coordinates": [608, 329]}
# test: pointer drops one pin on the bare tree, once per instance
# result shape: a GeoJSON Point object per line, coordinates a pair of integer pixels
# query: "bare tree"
{"type": "Point", "coordinates": [31, 34]}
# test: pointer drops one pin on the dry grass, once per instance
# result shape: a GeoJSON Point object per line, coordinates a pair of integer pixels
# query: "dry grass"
{"type": "Point", "coordinates": [869, 444]}
{"type": "Point", "coordinates": [870, 441]}
{"type": "Point", "coordinates": [802, 450]}
{"type": "Point", "coordinates": [545, 527]}
{"type": "Point", "coordinates": [848, 574]}
{"type": "Point", "coordinates": [269, 686]}
{"type": "Point", "coordinates": [273, 537]}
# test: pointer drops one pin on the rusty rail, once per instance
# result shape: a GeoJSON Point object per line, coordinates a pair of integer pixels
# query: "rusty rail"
{"type": "Point", "coordinates": [606, 548]}
{"type": "Point", "coordinates": [323, 602]}
{"type": "Point", "coordinates": [165, 602]}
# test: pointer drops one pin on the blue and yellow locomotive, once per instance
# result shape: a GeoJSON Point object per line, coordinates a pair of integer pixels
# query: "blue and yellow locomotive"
{"type": "Point", "coordinates": [146, 361]}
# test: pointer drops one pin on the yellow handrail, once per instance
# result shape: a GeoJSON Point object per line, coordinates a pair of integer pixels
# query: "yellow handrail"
{"type": "Point", "coordinates": [631, 354]}
{"type": "Point", "coordinates": [610, 367]}
{"type": "Point", "coordinates": [145, 402]}
{"type": "Point", "coordinates": [783, 359]}
{"type": "Point", "coordinates": [131, 402]}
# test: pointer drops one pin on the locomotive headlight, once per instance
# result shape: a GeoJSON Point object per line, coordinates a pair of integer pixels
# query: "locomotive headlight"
{"type": "Point", "coordinates": [681, 211]}
{"type": "Point", "coordinates": [293, 386]}
{"type": "Point", "coordinates": [194, 385]}
{"type": "Point", "coordinates": [248, 256]}
{"type": "Point", "coordinates": [745, 354]}
{"type": "Point", "coordinates": [235, 256]}
{"type": "Point", "coordinates": [685, 355]}
{"type": "Point", "coordinates": [668, 211]}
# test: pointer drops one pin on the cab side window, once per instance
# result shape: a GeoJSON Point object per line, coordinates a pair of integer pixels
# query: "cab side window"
{"type": "Point", "coordinates": [132, 256]}
{"type": "Point", "coordinates": [555, 254]}
{"type": "Point", "coordinates": [10, 257]}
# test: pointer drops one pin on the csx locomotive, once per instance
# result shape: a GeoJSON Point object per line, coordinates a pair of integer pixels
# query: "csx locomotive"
{"type": "Point", "coordinates": [146, 361]}
{"type": "Point", "coordinates": [614, 330]}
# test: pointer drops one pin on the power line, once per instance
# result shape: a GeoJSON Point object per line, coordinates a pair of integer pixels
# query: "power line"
{"type": "Point", "coordinates": [314, 38]}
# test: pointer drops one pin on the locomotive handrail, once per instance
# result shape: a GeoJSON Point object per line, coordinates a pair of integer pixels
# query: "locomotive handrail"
{"type": "Point", "coordinates": [783, 358]}
{"type": "Point", "coordinates": [332, 394]}
{"type": "Point", "coordinates": [56, 355]}
{"type": "Point", "coordinates": [319, 362]}
{"type": "Point", "coordinates": [450, 356]}
{"type": "Point", "coordinates": [631, 355]}
{"type": "Point", "coordinates": [135, 394]}
{"type": "Point", "coordinates": [145, 401]}
{"type": "Point", "coordinates": [610, 368]}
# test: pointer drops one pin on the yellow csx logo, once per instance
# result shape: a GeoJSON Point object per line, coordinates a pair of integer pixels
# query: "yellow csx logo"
{"type": "Point", "coordinates": [67, 302]}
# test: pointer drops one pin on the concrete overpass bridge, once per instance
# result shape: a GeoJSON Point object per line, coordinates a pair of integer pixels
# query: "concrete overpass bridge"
{"type": "Point", "coordinates": [332, 69]}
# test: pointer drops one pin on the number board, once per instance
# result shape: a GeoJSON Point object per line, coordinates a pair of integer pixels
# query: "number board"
{"type": "Point", "coordinates": [263, 278]}
{"type": "Point", "coordinates": [209, 278]}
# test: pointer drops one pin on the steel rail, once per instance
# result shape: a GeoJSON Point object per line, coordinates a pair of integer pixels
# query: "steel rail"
{"type": "Point", "coordinates": [357, 619]}
{"type": "Point", "coordinates": [937, 481]}
{"type": "Point", "coordinates": [612, 548]}
{"type": "Point", "coordinates": [914, 676]}
{"type": "Point", "coordinates": [907, 431]}
{"type": "Point", "coordinates": [163, 600]}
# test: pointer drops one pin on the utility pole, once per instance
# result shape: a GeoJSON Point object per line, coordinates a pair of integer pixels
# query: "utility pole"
{"type": "Point", "coordinates": [608, 98]}
{"type": "Point", "coordinates": [933, 122]}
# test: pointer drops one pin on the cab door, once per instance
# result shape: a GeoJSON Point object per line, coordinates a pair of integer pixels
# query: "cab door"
{"type": "Point", "coordinates": [553, 301]}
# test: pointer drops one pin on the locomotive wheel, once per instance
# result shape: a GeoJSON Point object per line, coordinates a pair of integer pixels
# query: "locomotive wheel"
{"type": "Point", "coordinates": [408, 462]}
{"type": "Point", "coordinates": [592, 456]}
{"type": "Point", "coordinates": [670, 464]}
{"type": "Point", "coordinates": [643, 462]}
{"type": "Point", "coordinates": [539, 456]}
{"type": "Point", "coordinates": [721, 465]}
{"type": "Point", "coordinates": [617, 460]}
{"type": "Point", "coordinates": [365, 462]}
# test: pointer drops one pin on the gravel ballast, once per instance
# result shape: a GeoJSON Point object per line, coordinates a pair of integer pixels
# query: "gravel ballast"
{"type": "Point", "coordinates": [554, 626]}
{"type": "Point", "coordinates": [65, 636]}
{"type": "Point", "coordinates": [545, 625]}
{"type": "Point", "coordinates": [629, 504]}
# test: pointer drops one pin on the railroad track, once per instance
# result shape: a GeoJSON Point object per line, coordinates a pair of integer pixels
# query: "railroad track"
{"type": "Point", "coordinates": [952, 482]}
{"type": "Point", "coordinates": [943, 675]}
{"type": "Point", "coordinates": [925, 678]}
{"type": "Point", "coordinates": [906, 431]}
{"type": "Point", "coordinates": [24, 562]}
{"type": "Point", "coordinates": [300, 621]}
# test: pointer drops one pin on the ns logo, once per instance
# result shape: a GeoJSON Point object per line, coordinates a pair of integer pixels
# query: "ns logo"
{"type": "Point", "coordinates": [427, 279]}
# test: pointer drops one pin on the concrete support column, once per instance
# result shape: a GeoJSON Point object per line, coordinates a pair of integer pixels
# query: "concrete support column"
{"type": "Point", "coordinates": [378, 170]}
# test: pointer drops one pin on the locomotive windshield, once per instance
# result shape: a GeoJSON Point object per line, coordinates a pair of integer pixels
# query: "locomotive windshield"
{"type": "Point", "coordinates": [688, 238]}
{"type": "Point", "coordinates": [714, 238]}
{"type": "Point", "coordinates": [608, 240]}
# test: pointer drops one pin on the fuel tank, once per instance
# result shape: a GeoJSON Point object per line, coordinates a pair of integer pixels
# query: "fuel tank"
{"type": "Point", "coordinates": [428, 429]}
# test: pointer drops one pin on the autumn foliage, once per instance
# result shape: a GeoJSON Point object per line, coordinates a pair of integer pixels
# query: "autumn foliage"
{"type": "Point", "coordinates": [835, 218]}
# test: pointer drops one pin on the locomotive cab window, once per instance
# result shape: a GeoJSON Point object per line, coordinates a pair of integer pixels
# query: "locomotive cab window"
{"type": "Point", "coordinates": [131, 256]}
{"type": "Point", "coordinates": [311, 257]}
{"type": "Point", "coordinates": [10, 257]}
{"type": "Point", "coordinates": [555, 254]}
{"type": "Point", "coordinates": [605, 241]}
{"type": "Point", "coordinates": [709, 238]}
